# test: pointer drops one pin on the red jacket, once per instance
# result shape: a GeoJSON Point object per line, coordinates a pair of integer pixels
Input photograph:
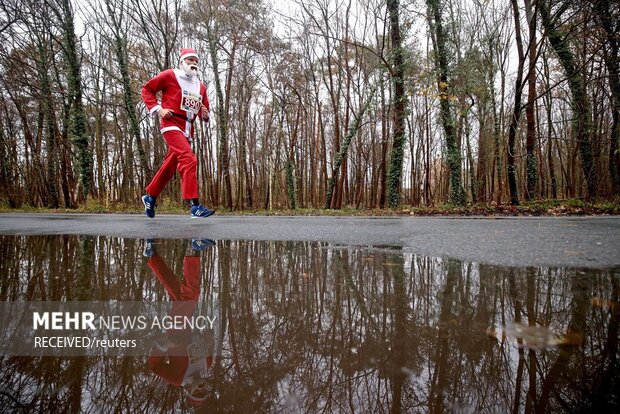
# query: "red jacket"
{"type": "Point", "coordinates": [185, 95]}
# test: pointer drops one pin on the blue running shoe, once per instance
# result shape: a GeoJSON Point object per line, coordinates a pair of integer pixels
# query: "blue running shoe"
{"type": "Point", "coordinates": [149, 248]}
{"type": "Point", "coordinates": [200, 211]}
{"type": "Point", "coordinates": [200, 245]}
{"type": "Point", "coordinates": [149, 205]}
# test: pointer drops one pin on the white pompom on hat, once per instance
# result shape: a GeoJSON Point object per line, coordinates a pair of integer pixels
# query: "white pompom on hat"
{"type": "Point", "coordinates": [187, 52]}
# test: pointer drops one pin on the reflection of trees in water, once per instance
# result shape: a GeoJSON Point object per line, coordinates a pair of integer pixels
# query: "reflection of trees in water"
{"type": "Point", "coordinates": [71, 268]}
{"type": "Point", "coordinates": [47, 384]}
{"type": "Point", "coordinates": [329, 328]}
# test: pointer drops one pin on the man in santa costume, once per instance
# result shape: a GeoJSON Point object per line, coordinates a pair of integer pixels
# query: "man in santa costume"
{"type": "Point", "coordinates": [184, 358]}
{"type": "Point", "coordinates": [183, 100]}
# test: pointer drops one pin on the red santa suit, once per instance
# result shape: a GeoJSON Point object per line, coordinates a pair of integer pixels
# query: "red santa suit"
{"type": "Point", "coordinates": [186, 96]}
{"type": "Point", "coordinates": [189, 355]}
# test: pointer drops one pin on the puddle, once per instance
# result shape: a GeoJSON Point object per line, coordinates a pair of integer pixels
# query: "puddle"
{"type": "Point", "coordinates": [309, 326]}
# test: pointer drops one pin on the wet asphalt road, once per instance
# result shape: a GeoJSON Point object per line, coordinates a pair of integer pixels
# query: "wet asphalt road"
{"type": "Point", "coordinates": [592, 242]}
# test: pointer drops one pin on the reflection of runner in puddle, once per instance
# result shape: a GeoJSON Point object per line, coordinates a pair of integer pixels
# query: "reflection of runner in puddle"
{"type": "Point", "coordinates": [185, 356]}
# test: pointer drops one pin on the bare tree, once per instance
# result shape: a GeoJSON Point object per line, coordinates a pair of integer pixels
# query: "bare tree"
{"type": "Point", "coordinates": [115, 15]}
{"type": "Point", "coordinates": [530, 108]}
{"type": "Point", "coordinates": [582, 126]}
{"type": "Point", "coordinates": [608, 16]}
{"type": "Point", "coordinates": [78, 124]}
{"type": "Point", "coordinates": [516, 114]}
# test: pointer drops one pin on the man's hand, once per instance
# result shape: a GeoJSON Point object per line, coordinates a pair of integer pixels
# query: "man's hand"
{"type": "Point", "coordinates": [205, 117]}
{"type": "Point", "coordinates": [165, 113]}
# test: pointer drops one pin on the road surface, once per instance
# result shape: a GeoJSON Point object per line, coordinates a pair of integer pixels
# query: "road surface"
{"type": "Point", "coordinates": [592, 242]}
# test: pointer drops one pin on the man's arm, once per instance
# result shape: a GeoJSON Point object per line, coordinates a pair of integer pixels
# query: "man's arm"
{"type": "Point", "coordinates": [149, 92]}
{"type": "Point", "coordinates": [205, 109]}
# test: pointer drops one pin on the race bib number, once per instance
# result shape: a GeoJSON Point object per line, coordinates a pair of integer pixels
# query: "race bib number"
{"type": "Point", "coordinates": [190, 102]}
{"type": "Point", "coordinates": [196, 351]}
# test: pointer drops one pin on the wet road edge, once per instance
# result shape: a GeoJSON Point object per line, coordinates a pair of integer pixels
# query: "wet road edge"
{"type": "Point", "coordinates": [592, 242]}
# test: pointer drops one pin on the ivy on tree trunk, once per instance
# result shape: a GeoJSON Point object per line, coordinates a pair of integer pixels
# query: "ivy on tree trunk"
{"type": "Point", "coordinates": [290, 184]}
{"type": "Point", "coordinates": [580, 104]}
{"type": "Point", "coordinates": [395, 168]}
{"type": "Point", "coordinates": [453, 152]}
{"type": "Point", "coordinates": [78, 124]}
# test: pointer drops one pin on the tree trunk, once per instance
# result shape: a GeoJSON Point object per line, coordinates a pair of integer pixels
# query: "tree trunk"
{"type": "Point", "coordinates": [290, 183]}
{"type": "Point", "coordinates": [482, 169]}
{"type": "Point", "coordinates": [399, 108]}
{"type": "Point", "coordinates": [428, 195]}
{"type": "Point", "coordinates": [78, 124]}
{"type": "Point", "coordinates": [530, 109]}
{"type": "Point", "coordinates": [355, 125]}
{"type": "Point", "coordinates": [130, 102]}
{"type": "Point", "coordinates": [612, 60]}
{"type": "Point", "coordinates": [222, 121]}
{"type": "Point", "coordinates": [580, 104]}
{"type": "Point", "coordinates": [453, 155]}
{"type": "Point", "coordinates": [516, 113]}
{"type": "Point", "coordinates": [51, 130]}
{"type": "Point", "coordinates": [470, 160]}
{"type": "Point", "coordinates": [245, 197]}
{"type": "Point", "coordinates": [497, 158]}
{"type": "Point", "coordinates": [382, 173]}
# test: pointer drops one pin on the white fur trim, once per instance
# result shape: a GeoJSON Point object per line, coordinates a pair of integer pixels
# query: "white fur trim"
{"type": "Point", "coordinates": [171, 128]}
{"type": "Point", "coordinates": [185, 56]}
{"type": "Point", "coordinates": [154, 110]}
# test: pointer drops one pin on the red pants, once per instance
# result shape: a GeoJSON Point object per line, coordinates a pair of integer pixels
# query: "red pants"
{"type": "Point", "coordinates": [189, 290]}
{"type": "Point", "coordinates": [180, 156]}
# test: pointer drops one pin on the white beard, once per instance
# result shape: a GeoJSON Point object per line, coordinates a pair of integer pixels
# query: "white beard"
{"type": "Point", "coordinates": [190, 70]}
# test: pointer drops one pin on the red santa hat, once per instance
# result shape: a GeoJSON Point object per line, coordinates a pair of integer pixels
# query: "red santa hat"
{"type": "Point", "coordinates": [187, 52]}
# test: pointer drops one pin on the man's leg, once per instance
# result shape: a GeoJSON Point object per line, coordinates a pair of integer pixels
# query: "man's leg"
{"type": "Point", "coordinates": [163, 175]}
{"type": "Point", "coordinates": [190, 288]}
{"type": "Point", "coordinates": [186, 163]}
{"type": "Point", "coordinates": [165, 276]}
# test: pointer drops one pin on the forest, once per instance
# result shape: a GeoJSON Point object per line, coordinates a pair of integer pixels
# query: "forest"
{"type": "Point", "coordinates": [364, 104]}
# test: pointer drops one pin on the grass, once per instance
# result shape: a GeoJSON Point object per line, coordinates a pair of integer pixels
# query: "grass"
{"type": "Point", "coordinates": [569, 207]}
